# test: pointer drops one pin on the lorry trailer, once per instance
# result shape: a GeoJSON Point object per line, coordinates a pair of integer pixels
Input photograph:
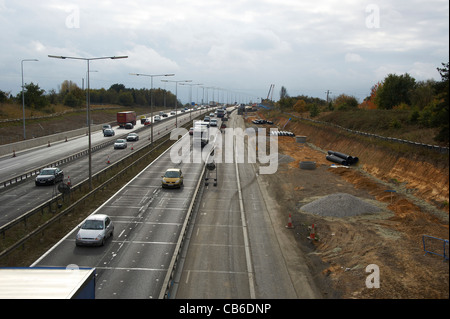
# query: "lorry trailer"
{"type": "Point", "coordinates": [47, 283]}
{"type": "Point", "coordinates": [126, 117]}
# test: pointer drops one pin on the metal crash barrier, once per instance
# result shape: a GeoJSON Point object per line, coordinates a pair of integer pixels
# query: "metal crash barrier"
{"type": "Point", "coordinates": [432, 245]}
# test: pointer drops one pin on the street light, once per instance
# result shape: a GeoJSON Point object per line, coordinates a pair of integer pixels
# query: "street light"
{"type": "Point", "coordinates": [88, 100]}
{"type": "Point", "coordinates": [151, 96]}
{"type": "Point", "coordinates": [23, 96]}
{"type": "Point", "coordinates": [190, 96]}
{"type": "Point", "coordinates": [176, 97]}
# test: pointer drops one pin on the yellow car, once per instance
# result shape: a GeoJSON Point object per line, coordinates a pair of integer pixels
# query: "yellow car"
{"type": "Point", "coordinates": [172, 178]}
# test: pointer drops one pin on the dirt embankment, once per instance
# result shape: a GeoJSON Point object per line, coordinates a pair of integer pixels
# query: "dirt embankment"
{"type": "Point", "coordinates": [391, 239]}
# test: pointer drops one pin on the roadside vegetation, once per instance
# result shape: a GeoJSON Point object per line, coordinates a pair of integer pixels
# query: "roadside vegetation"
{"type": "Point", "coordinates": [71, 98]}
{"type": "Point", "coordinates": [399, 106]}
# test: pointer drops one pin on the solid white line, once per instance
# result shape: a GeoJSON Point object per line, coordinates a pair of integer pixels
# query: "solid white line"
{"type": "Point", "coordinates": [245, 233]}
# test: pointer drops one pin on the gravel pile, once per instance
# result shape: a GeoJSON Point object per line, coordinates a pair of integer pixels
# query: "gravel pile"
{"type": "Point", "coordinates": [339, 205]}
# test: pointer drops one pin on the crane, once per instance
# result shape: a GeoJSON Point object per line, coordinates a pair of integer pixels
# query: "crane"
{"type": "Point", "coordinates": [272, 86]}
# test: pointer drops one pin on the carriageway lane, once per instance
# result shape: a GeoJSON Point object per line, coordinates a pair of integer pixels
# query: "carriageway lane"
{"type": "Point", "coordinates": [234, 253]}
{"type": "Point", "coordinates": [21, 198]}
{"type": "Point", "coordinates": [148, 220]}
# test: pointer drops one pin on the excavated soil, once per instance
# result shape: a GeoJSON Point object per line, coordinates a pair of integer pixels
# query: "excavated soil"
{"type": "Point", "coordinates": [391, 239]}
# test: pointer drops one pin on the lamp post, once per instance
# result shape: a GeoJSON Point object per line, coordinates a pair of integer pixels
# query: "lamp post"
{"type": "Point", "coordinates": [88, 100]}
{"type": "Point", "coordinates": [151, 95]}
{"type": "Point", "coordinates": [190, 96]}
{"type": "Point", "coordinates": [176, 97]}
{"type": "Point", "coordinates": [23, 96]}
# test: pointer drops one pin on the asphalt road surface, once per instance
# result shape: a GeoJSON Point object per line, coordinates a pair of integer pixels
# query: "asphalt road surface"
{"type": "Point", "coordinates": [234, 250]}
{"type": "Point", "coordinates": [148, 219]}
{"type": "Point", "coordinates": [19, 199]}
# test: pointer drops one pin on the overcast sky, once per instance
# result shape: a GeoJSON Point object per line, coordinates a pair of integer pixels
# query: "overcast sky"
{"type": "Point", "coordinates": [242, 46]}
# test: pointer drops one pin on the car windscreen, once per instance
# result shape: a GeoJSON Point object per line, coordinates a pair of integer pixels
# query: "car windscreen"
{"type": "Point", "coordinates": [172, 174]}
{"type": "Point", "coordinates": [47, 172]}
{"type": "Point", "coordinates": [92, 224]}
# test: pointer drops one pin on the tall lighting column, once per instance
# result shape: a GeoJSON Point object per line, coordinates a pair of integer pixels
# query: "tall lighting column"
{"type": "Point", "coordinates": [176, 97]}
{"type": "Point", "coordinates": [23, 96]}
{"type": "Point", "coordinates": [88, 100]}
{"type": "Point", "coordinates": [151, 95]}
{"type": "Point", "coordinates": [190, 97]}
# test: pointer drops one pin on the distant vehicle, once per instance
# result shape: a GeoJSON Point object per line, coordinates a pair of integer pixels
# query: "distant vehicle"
{"type": "Point", "coordinates": [213, 122]}
{"type": "Point", "coordinates": [143, 119]}
{"type": "Point", "coordinates": [173, 113]}
{"type": "Point", "coordinates": [49, 175]}
{"type": "Point", "coordinates": [183, 110]}
{"type": "Point", "coordinates": [201, 132]}
{"type": "Point", "coordinates": [126, 117]}
{"type": "Point", "coordinates": [157, 118]}
{"type": "Point", "coordinates": [132, 137]}
{"type": "Point", "coordinates": [95, 230]}
{"type": "Point", "coordinates": [206, 119]}
{"type": "Point", "coordinates": [147, 122]}
{"type": "Point", "coordinates": [172, 178]}
{"type": "Point", "coordinates": [129, 126]}
{"type": "Point", "coordinates": [211, 115]}
{"type": "Point", "coordinates": [109, 132]}
{"type": "Point", "coordinates": [220, 113]}
{"type": "Point", "coordinates": [191, 131]}
{"type": "Point", "coordinates": [164, 115]}
{"type": "Point", "coordinates": [120, 143]}
{"type": "Point", "coordinates": [105, 127]}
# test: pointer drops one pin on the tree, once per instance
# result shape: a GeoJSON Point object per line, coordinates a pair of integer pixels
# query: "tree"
{"type": "Point", "coordinates": [283, 93]}
{"type": "Point", "coordinates": [117, 87]}
{"type": "Point", "coordinates": [423, 94]}
{"type": "Point", "coordinates": [300, 106]}
{"type": "Point", "coordinates": [3, 96]}
{"type": "Point", "coordinates": [34, 96]}
{"type": "Point", "coordinates": [396, 89]}
{"type": "Point", "coordinates": [345, 102]}
{"type": "Point", "coordinates": [126, 98]}
{"type": "Point", "coordinates": [442, 108]}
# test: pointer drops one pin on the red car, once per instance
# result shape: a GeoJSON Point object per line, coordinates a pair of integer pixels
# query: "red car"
{"type": "Point", "coordinates": [147, 122]}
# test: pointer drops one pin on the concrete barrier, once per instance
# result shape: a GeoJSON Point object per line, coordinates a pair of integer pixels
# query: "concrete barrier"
{"type": "Point", "coordinates": [44, 140]}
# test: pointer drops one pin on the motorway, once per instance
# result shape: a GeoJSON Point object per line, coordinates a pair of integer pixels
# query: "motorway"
{"type": "Point", "coordinates": [148, 220]}
{"type": "Point", "coordinates": [233, 248]}
{"type": "Point", "coordinates": [19, 199]}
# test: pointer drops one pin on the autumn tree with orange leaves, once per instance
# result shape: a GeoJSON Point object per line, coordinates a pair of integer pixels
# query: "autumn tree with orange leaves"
{"type": "Point", "coordinates": [369, 102]}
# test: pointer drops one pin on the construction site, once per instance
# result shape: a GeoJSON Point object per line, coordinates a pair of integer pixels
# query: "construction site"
{"type": "Point", "coordinates": [386, 212]}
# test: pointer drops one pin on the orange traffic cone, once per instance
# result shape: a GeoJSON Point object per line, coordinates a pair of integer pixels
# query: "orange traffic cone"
{"type": "Point", "coordinates": [290, 225]}
{"type": "Point", "coordinates": [68, 181]}
{"type": "Point", "coordinates": [14, 153]}
{"type": "Point", "coordinates": [108, 162]}
{"type": "Point", "coordinates": [48, 145]}
{"type": "Point", "coordinates": [132, 148]}
{"type": "Point", "coordinates": [312, 233]}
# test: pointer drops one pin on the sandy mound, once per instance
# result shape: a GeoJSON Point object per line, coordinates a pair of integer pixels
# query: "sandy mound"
{"type": "Point", "coordinates": [340, 205]}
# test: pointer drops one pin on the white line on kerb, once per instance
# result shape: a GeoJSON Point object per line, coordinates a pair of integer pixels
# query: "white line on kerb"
{"type": "Point", "coordinates": [245, 233]}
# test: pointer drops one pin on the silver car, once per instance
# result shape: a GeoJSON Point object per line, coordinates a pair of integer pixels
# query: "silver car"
{"type": "Point", "coordinates": [120, 143]}
{"type": "Point", "coordinates": [94, 230]}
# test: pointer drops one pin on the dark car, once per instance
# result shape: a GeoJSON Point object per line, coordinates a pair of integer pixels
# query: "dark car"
{"type": "Point", "coordinates": [129, 126]}
{"type": "Point", "coordinates": [49, 175]}
{"type": "Point", "coordinates": [109, 132]}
